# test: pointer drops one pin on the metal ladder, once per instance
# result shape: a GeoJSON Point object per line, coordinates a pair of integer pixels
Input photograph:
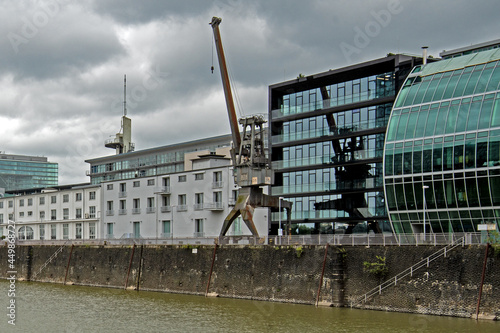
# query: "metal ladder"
{"type": "Point", "coordinates": [52, 257]}
{"type": "Point", "coordinates": [409, 271]}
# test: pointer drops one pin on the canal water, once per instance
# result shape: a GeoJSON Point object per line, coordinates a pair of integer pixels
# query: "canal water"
{"type": "Point", "coordinates": [43, 307]}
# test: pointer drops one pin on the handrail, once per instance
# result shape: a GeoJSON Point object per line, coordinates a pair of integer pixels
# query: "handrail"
{"type": "Point", "coordinates": [409, 271]}
{"type": "Point", "coordinates": [52, 257]}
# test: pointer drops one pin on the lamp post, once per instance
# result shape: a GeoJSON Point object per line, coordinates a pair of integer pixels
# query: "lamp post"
{"type": "Point", "coordinates": [424, 187]}
{"type": "Point", "coordinates": [280, 231]}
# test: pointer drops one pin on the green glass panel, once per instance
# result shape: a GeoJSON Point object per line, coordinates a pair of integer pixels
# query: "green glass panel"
{"type": "Point", "coordinates": [473, 80]}
{"type": "Point", "coordinates": [439, 194]}
{"type": "Point", "coordinates": [420, 128]}
{"type": "Point", "coordinates": [437, 157]}
{"type": "Point", "coordinates": [431, 122]}
{"type": "Point", "coordinates": [407, 165]}
{"type": "Point", "coordinates": [472, 195]}
{"type": "Point", "coordinates": [438, 93]}
{"type": "Point", "coordinates": [393, 125]}
{"type": "Point", "coordinates": [494, 151]}
{"type": "Point", "coordinates": [461, 194]}
{"type": "Point", "coordinates": [398, 163]}
{"type": "Point", "coordinates": [452, 84]}
{"type": "Point", "coordinates": [417, 160]}
{"type": "Point", "coordinates": [481, 152]}
{"type": "Point", "coordinates": [391, 198]}
{"type": "Point", "coordinates": [412, 92]}
{"type": "Point", "coordinates": [427, 159]}
{"type": "Point", "coordinates": [421, 91]}
{"type": "Point", "coordinates": [400, 197]}
{"type": "Point", "coordinates": [495, 189]}
{"type": "Point", "coordinates": [441, 120]}
{"type": "Point", "coordinates": [485, 115]}
{"type": "Point", "coordinates": [458, 156]}
{"type": "Point", "coordinates": [463, 114]}
{"type": "Point", "coordinates": [484, 191]}
{"type": "Point", "coordinates": [473, 118]}
{"type": "Point", "coordinates": [470, 154]}
{"type": "Point", "coordinates": [482, 83]}
{"type": "Point", "coordinates": [403, 120]}
{"type": "Point", "coordinates": [462, 82]}
{"type": "Point", "coordinates": [449, 190]}
{"type": "Point", "coordinates": [410, 199]}
{"type": "Point", "coordinates": [494, 79]}
{"type": "Point", "coordinates": [388, 163]}
{"type": "Point", "coordinates": [451, 121]}
{"type": "Point", "coordinates": [431, 89]}
{"type": "Point", "coordinates": [495, 118]}
{"type": "Point", "coordinates": [412, 123]}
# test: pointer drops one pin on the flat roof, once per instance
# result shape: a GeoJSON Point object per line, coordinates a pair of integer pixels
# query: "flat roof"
{"type": "Point", "coordinates": [470, 48]}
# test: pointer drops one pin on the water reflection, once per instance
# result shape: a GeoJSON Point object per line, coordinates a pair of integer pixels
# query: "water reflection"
{"type": "Point", "coordinates": [57, 308]}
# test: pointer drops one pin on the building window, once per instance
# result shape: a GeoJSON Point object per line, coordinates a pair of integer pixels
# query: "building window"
{"type": "Point", "coordinates": [92, 212]}
{"type": "Point", "coordinates": [165, 227]}
{"type": "Point", "coordinates": [41, 231]}
{"type": "Point", "coordinates": [217, 179]}
{"type": "Point", "coordinates": [42, 215]}
{"type": "Point", "coordinates": [65, 213]}
{"type": "Point", "coordinates": [78, 231]}
{"type": "Point", "coordinates": [123, 207]}
{"type": "Point", "coordinates": [92, 230]}
{"type": "Point", "coordinates": [53, 214]}
{"type": "Point", "coordinates": [53, 231]}
{"type": "Point", "coordinates": [30, 213]}
{"type": "Point", "coordinates": [11, 217]}
{"type": "Point", "coordinates": [136, 206]}
{"type": "Point", "coordinates": [181, 202]}
{"type": "Point", "coordinates": [30, 202]}
{"type": "Point", "coordinates": [53, 199]}
{"type": "Point", "coordinates": [151, 205]}
{"type": "Point", "coordinates": [151, 182]}
{"type": "Point", "coordinates": [137, 183]}
{"type": "Point", "coordinates": [109, 187]}
{"type": "Point", "coordinates": [41, 201]}
{"type": "Point", "coordinates": [198, 176]}
{"type": "Point", "coordinates": [78, 196]}
{"type": "Point", "coordinates": [65, 231]}
{"type": "Point", "coordinates": [92, 195]}
{"type": "Point", "coordinates": [66, 198]}
{"type": "Point", "coordinates": [78, 213]}
{"type": "Point", "coordinates": [21, 203]}
{"type": "Point", "coordinates": [198, 228]}
{"type": "Point", "coordinates": [182, 179]}
{"type": "Point", "coordinates": [1, 204]}
{"type": "Point", "coordinates": [123, 190]}
{"type": "Point", "coordinates": [136, 229]}
{"type": "Point", "coordinates": [21, 214]}
{"type": "Point", "coordinates": [11, 203]}
{"type": "Point", "coordinates": [109, 208]}
{"type": "Point", "coordinates": [25, 233]}
{"type": "Point", "coordinates": [198, 201]}
{"type": "Point", "coordinates": [109, 230]}
{"type": "Point", "coordinates": [1, 218]}
{"type": "Point", "coordinates": [166, 181]}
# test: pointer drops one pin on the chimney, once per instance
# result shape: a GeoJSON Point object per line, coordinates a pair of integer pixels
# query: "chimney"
{"type": "Point", "coordinates": [424, 54]}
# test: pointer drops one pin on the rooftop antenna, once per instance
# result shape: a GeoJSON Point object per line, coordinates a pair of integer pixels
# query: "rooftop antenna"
{"type": "Point", "coordinates": [125, 94]}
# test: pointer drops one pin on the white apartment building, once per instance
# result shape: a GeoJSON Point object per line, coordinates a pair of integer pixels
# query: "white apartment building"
{"type": "Point", "coordinates": [188, 204]}
{"type": "Point", "coordinates": [60, 212]}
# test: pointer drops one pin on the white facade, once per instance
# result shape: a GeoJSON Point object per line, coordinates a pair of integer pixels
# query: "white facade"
{"type": "Point", "coordinates": [62, 212]}
{"type": "Point", "coordinates": [187, 204]}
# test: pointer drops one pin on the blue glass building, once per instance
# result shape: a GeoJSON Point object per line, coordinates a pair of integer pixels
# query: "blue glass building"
{"type": "Point", "coordinates": [442, 149]}
{"type": "Point", "coordinates": [327, 135]}
{"type": "Point", "coordinates": [19, 172]}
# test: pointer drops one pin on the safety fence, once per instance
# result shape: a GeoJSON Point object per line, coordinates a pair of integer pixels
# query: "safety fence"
{"type": "Point", "coordinates": [318, 239]}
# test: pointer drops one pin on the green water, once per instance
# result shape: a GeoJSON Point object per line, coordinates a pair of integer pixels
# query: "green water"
{"type": "Point", "coordinates": [42, 307]}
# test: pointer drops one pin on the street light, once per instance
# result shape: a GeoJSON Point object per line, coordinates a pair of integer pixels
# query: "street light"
{"type": "Point", "coordinates": [280, 231]}
{"type": "Point", "coordinates": [424, 187]}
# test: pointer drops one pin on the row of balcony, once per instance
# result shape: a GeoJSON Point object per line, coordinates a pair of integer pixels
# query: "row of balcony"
{"type": "Point", "coordinates": [362, 154]}
{"type": "Point", "coordinates": [167, 209]}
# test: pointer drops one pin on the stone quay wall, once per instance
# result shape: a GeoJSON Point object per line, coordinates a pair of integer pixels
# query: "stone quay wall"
{"type": "Point", "coordinates": [295, 274]}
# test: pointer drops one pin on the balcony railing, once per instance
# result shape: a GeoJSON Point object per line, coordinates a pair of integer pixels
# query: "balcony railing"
{"type": "Point", "coordinates": [214, 206]}
{"type": "Point", "coordinates": [182, 208]}
{"type": "Point", "coordinates": [163, 190]}
{"type": "Point", "coordinates": [218, 184]}
{"type": "Point", "coordinates": [122, 212]}
{"type": "Point", "coordinates": [166, 209]}
{"type": "Point", "coordinates": [150, 210]}
{"type": "Point", "coordinates": [122, 194]}
{"type": "Point", "coordinates": [136, 210]}
{"type": "Point", "coordinates": [110, 212]}
{"type": "Point", "coordinates": [198, 206]}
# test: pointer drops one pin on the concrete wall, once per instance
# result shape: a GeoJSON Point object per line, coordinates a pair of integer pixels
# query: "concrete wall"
{"type": "Point", "coordinates": [449, 286]}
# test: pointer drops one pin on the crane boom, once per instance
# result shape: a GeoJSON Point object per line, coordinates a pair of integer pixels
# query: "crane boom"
{"type": "Point", "coordinates": [233, 120]}
{"type": "Point", "coordinates": [251, 167]}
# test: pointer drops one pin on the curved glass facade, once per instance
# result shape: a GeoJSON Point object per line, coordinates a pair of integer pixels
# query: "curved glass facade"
{"type": "Point", "coordinates": [442, 147]}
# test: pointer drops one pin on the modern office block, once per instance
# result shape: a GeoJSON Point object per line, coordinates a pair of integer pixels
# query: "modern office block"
{"type": "Point", "coordinates": [26, 172]}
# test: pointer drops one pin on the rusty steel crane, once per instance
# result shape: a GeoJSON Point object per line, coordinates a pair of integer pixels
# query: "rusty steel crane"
{"type": "Point", "coordinates": [252, 169]}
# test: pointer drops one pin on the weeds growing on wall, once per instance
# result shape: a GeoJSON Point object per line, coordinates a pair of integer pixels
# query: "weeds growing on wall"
{"type": "Point", "coordinates": [378, 268]}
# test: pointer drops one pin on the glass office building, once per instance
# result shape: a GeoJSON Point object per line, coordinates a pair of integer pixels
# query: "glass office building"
{"type": "Point", "coordinates": [327, 135]}
{"type": "Point", "coordinates": [19, 172]}
{"type": "Point", "coordinates": [442, 150]}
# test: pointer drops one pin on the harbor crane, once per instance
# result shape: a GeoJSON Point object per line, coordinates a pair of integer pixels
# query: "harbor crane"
{"type": "Point", "coordinates": [251, 168]}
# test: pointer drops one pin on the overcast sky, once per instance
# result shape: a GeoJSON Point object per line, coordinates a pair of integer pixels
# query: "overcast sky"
{"type": "Point", "coordinates": [63, 61]}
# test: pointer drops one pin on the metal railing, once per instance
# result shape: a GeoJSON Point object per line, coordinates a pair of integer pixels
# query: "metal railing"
{"type": "Point", "coordinates": [409, 271]}
{"type": "Point", "coordinates": [317, 239]}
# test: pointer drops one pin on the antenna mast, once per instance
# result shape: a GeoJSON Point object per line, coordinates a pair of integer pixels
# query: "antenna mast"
{"type": "Point", "coordinates": [125, 94]}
